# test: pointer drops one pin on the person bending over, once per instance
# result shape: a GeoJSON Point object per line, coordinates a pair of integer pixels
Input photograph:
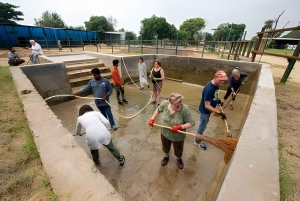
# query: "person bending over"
{"type": "Point", "coordinates": [96, 125]}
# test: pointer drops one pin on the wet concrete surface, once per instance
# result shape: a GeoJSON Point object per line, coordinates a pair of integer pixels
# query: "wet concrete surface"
{"type": "Point", "coordinates": [142, 177]}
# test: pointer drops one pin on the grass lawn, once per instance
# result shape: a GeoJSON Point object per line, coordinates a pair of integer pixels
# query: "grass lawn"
{"type": "Point", "coordinates": [280, 51]}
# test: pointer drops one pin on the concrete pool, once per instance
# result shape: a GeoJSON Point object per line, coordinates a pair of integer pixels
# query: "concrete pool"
{"type": "Point", "coordinates": [205, 172]}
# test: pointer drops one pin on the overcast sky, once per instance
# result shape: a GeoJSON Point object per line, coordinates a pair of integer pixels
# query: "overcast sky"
{"type": "Point", "coordinates": [129, 13]}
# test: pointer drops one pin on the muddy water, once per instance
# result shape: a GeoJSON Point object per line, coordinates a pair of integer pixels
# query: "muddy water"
{"type": "Point", "coordinates": [142, 177]}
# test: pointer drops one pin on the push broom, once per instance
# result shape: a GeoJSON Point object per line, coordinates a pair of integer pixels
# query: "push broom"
{"type": "Point", "coordinates": [225, 144]}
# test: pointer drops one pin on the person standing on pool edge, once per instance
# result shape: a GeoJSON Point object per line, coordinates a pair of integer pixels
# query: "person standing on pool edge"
{"type": "Point", "coordinates": [209, 100]}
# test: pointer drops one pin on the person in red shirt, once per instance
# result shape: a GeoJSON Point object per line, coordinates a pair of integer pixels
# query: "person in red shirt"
{"type": "Point", "coordinates": [118, 82]}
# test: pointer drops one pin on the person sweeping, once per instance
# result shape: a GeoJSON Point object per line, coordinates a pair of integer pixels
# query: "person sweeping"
{"type": "Point", "coordinates": [175, 115]}
{"type": "Point", "coordinates": [97, 134]}
{"type": "Point", "coordinates": [236, 80]}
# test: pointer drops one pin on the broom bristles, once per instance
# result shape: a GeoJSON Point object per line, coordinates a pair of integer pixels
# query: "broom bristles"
{"type": "Point", "coordinates": [225, 144]}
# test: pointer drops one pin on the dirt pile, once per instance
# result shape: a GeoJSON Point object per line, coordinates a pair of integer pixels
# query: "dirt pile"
{"type": "Point", "coordinates": [21, 51]}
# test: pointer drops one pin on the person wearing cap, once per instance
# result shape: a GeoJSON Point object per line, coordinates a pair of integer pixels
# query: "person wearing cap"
{"type": "Point", "coordinates": [177, 115]}
{"type": "Point", "coordinates": [36, 51]}
{"type": "Point", "coordinates": [236, 80]}
{"type": "Point", "coordinates": [118, 82]}
{"type": "Point", "coordinates": [209, 100]}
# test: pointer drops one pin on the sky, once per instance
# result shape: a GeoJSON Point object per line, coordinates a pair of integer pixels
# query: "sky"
{"type": "Point", "coordinates": [129, 13]}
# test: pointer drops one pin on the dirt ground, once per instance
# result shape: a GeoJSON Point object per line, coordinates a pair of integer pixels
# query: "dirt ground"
{"type": "Point", "coordinates": [288, 120]}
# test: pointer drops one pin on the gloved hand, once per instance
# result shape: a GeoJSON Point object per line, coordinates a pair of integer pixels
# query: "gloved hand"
{"type": "Point", "coordinates": [244, 82]}
{"type": "Point", "coordinates": [220, 102]}
{"type": "Point", "coordinates": [176, 128]}
{"type": "Point", "coordinates": [223, 116]}
{"type": "Point", "coordinates": [234, 93]}
{"type": "Point", "coordinates": [151, 122]}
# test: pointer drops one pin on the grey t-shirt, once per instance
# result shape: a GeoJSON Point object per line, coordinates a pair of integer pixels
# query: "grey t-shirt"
{"type": "Point", "coordinates": [12, 55]}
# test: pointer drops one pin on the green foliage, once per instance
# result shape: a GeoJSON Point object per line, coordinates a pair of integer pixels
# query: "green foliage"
{"type": "Point", "coordinates": [157, 27]}
{"type": "Point", "coordinates": [254, 37]}
{"type": "Point", "coordinates": [98, 23]}
{"type": "Point", "coordinates": [50, 20]}
{"type": "Point", "coordinates": [9, 14]}
{"type": "Point", "coordinates": [209, 37]}
{"type": "Point", "coordinates": [192, 26]}
{"type": "Point", "coordinates": [268, 24]}
{"type": "Point", "coordinates": [77, 27]}
{"type": "Point", "coordinates": [231, 32]}
{"type": "Point", "coordinates": [130, 35]}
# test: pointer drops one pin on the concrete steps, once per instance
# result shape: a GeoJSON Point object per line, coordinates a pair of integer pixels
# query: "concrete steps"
{"type": "Point", "coordinates": [79, 71]}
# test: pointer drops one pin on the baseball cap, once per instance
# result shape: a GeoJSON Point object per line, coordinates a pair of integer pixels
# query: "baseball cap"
{"type": "Point", "coordinates": [221, 75]}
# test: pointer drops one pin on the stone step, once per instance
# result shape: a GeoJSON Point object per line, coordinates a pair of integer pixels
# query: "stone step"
{"type": "Point", "coordinates": [85, 72]}
{"type": "Point", "coordinates": [79, 79]}
{"type": "Point", "coordinates": [81, 61]}
{"type": "Point", "coordinates": [90, 66]}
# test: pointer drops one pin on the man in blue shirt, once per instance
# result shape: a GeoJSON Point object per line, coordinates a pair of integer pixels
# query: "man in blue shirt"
{"type": "Point", "coordinates": [210, 99]}
{"type": "Point", "coordinates": [13, 57]}
{"type": "Point", "coordinates": [101, 88]}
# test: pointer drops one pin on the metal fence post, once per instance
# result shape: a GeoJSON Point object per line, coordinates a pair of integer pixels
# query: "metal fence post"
{"type": "Point", "coordinates": [141, 45]}
{"type": "Point", "coordinates": [128, 45]}
{"type": "Point", "coordinates": [156, 45]}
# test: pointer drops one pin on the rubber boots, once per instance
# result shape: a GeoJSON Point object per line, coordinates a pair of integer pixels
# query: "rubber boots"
{"type": "Point", "coordinates": [95, 155]}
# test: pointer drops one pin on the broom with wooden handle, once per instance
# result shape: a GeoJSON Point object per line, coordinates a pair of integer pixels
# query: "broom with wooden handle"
{"type": "Point", "coordinates": [225, 144]}
{"type": "Point", "coordinates": [226, 124]}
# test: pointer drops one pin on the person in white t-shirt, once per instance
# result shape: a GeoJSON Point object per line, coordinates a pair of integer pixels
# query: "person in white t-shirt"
{"type": "Point", "coordinates": [97, 134]}
{"type": "Point", "coordinates": [36, 50]}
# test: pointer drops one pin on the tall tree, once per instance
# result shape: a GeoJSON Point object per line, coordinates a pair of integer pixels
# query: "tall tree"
{"type": "Point", "coordinates": [228, 31]}
{"type": "Point", "coordinates": [98, 23]}
{"type": "Point", "coordinates": [50, 20]}
{"type": "Point", "coordinates": [113, 22]}
{"type": "Point", "coordinates": [268, 24]}
{"type": "Point", "coordinates": [192, 26]}
{"type": "Point", "coordinates": [9, 14]}
{"type": "Point", "coordinates": [157, 27]}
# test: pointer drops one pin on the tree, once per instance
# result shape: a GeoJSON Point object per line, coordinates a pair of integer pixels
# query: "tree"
{"type": "Point", "coordinates": [98, 23]}
{"type": "Point", "coordinates": [268, 24]}
{"type": "Point", "coordinates": [9, 14]}
{"type": "Point", "coordinates": [113, 22]}
{"type": "Point", "coordinates": [77, 27]}
{"type": "Point", "coordinates": [229, 32]}
{"type": "Point", "coordinates": [50, 20]}
{"type": "Point", "coordinates": [192, 26]}
{"type": "Point", "coordinates": [130, 35]}
{"type": "Point", "coordinates": [157, 27]}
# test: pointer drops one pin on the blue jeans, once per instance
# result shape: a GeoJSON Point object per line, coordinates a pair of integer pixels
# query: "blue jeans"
{"type": "Point", "coordinates": [106, 111]}
{"type": "Point", "coordinates": [204, 118]}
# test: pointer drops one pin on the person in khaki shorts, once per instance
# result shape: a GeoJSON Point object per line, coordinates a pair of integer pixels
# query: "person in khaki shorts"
{"type": "Point", "coordinates": [178, 116]}
{"type": "Point", "coordinates": [118, 82]}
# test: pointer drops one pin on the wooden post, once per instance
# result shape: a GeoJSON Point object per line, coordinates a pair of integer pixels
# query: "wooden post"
{"type": "Point", "coordinates": [241, 47]}
{"type": "Point", "coordinates": [231, 46]}
{"type": "Point", "coordinates": [249, 49]}
{"type": "Point", "coordinates": [237, 50]}
{"type": "Point", "coordinates": [245, 47]}
{"type": "Point", "coordinates": [289, 68]}
{"type": "Point", "coordinates": [260, 35]}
